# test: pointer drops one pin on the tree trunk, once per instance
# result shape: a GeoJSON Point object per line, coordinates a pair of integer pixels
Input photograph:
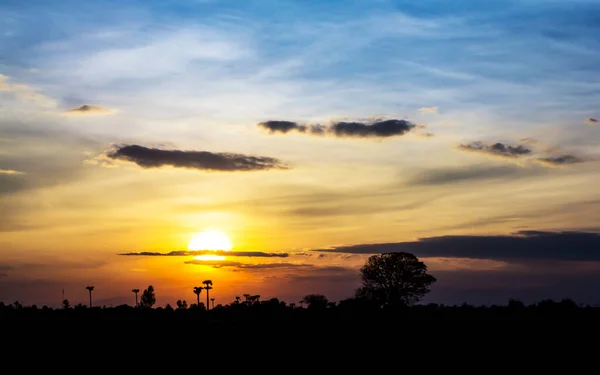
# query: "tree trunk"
{"type": "Point", "coordinates": [207, 305]}
{"type": "Point", "coordinates": [198, 299]}
{"type": "Point", "coordinates": [90, 299]}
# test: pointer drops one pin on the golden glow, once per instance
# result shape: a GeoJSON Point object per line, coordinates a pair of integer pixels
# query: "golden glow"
{"type": "Point", "coordinates": [210, 239]}
{"type": "Point", "coordinates": [209, 257]}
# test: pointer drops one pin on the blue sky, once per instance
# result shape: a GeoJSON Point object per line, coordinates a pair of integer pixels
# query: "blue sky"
{"type": "Point", "coordinates": [494, 104]}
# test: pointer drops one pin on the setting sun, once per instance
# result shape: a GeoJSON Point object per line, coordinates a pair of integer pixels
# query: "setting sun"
{"type": "Point", "coordinates": [210, 239]}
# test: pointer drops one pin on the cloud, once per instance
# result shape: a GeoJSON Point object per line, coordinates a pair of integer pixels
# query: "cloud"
{"type": "Point", "coordinates": [10, 172]}
{"type": "Point", "coordinates": [496, 149]}
{"type": "Point", "coordinates": [521, 151]}
{"type": "Point", "coordinates": [247, 266]}
{"type": "Point", "coordinates": [523, 245]}
{"type": "Point", "coordinates": [202, 160]}
{"type": "Point", "coordinates": [88, 110]}
{"type": "Point", "coordinates": [429, 110]}
{"type": "Point", "coordinates": [178, 253]}
{"type": "Point", "coordinates": [562, 160]}
{"type": "Point", "coordinates": [592, 121]}
{"type": "Point", "coordinates": [471, 173]}
{"type": "Point", "coordinates": [376, 129]}
{"type": "Point", "coordinates": [26, 93]}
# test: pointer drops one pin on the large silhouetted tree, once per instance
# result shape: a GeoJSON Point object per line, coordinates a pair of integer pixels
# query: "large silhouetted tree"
{"type": "Point", "coordinates": [197, 291]}
{"type": "Point", "coordinates": [90, 288]}
{"type": "Point", "coordinates": [148, 298]}
{"type": "Point", "coordinates": [136, 291]}
{"type": "Point", "coordinates": [394, 279]}
{"type": "Point", "coordinates": [207, 287]}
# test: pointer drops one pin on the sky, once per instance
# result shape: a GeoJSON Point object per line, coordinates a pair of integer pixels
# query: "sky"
{"type": "Point", "coordinates": [313, 134]}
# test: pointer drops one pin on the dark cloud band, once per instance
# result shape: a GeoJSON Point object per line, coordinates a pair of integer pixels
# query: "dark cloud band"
{"type": "Point", "coordinates": [202, 160]}
{"type": "Point", "coordinates": [377, 129]}
{"type": "Point", "coordinates": [524, 245]}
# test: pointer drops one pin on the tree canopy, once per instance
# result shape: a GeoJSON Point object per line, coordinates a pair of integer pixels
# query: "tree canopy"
{"type": "Point", "coordinates": [148, 298]}
{"type": "Point", "coordinates": [394, 279]}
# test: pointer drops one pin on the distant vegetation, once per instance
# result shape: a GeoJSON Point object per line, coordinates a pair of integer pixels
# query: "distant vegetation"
{"type": "Point", "coordinates": [392, 286]}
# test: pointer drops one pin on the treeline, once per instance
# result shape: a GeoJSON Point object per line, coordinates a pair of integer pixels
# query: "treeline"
{"type": "Point", "coordinates": [314, 307]}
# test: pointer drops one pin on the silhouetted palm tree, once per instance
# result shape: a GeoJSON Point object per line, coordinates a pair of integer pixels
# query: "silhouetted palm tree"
{"type": "Point", "coordinates": [213, 303]}
{"type": "Point", "coordinates": [136, 291]}
{"type": "Point", "coordinates": [246, 296]}
{"type": "Point", "coordinates": [90, 288]}
{"type": "Point", "coordinates": [197, 291]}
{"type": "Point", "coordinates": [208, 287]}
{"type": "Point", "coordinates": [237, 299]}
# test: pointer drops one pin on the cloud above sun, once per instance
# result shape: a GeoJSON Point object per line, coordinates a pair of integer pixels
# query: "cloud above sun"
{"type": "Point", "coordinates": [179, 253]}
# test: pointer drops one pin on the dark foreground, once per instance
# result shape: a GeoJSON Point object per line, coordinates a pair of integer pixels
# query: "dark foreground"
{"type": "Point", "coordinates": [276, 311]}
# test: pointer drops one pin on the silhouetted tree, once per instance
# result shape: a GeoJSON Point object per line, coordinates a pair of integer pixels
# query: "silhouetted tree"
{"type": "Point", "coordinates": [136, 291]}
{"type": "Point", "coordinates": [181, 305]}
{"type": "Point", "coordinates": [315, 301]}
{"type": "Point", "coordinates": [213, 303]}
{"type": "Point", "coordinates": [197, 291]}
{"type": "Point", "coordinates": [246, 296]}
{"type": "Point", "coordinates": [90, 288]}
{"type": "Point", "coordinates": [207, 287]}
{"type": "Point", "coordinates": [148, 298]}
{"type": "Point", "coordinates": [237, 299]}
{"type": "Point", "coordinates": [66, 304]}
{"type": "Point", "coordinates": [394, 279]}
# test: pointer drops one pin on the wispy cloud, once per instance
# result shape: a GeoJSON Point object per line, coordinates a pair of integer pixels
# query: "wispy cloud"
{"type": "Point", "coordinates": [433, 110]}
{"type": "Point", "coordinates": [201, 160]}
{"type": "Point", "coordinates": [26, 93]}
{"type": "Point", "coordinates": [10, 172]}
{"type": "Point", "coordinates": [343, 129]}
{"type": "Point", "coordinates": [88, 110]}
{"type": "Point", "coordinates": [562, 160]}
{"type": "Point", "coordinates": [497, 149]}
{"type": "Point", "coordinates": [471, 174]}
